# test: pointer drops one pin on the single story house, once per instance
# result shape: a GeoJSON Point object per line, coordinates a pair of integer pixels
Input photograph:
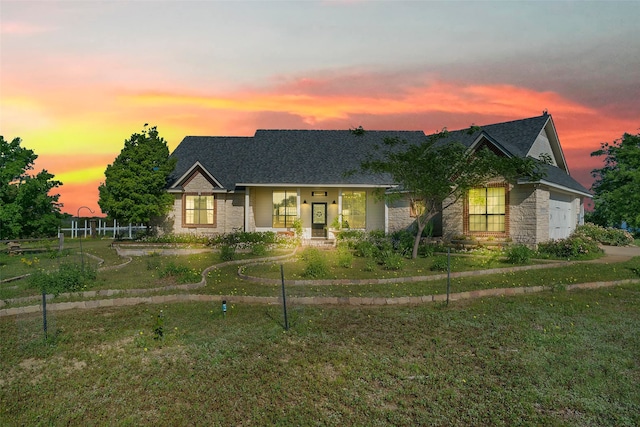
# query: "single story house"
{"type": "Point", "coordinates": [268, 181]}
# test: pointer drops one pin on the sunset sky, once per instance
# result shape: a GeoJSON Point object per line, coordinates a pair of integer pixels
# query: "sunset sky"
{"type": "Point", "coordinates": [77, 78]}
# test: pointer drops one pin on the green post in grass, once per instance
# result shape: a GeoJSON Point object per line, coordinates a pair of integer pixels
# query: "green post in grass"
{"type": "Point", "coordinates": [44, 314]}
{"type": "Point", "coordinates": [448, 273]}
{"type": "Point", "coordinates": [284, 299]}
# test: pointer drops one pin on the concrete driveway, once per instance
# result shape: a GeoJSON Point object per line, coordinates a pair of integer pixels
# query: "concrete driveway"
{"type": "Point", "coordinates": [618, 253]}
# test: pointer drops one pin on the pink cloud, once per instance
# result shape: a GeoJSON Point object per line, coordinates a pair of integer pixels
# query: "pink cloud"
{"type": "Point", "coordinates": [21, 28]}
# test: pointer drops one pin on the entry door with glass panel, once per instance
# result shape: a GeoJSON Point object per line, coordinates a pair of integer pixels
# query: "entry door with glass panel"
{"type": "Point", "coordinates": [318, 219]}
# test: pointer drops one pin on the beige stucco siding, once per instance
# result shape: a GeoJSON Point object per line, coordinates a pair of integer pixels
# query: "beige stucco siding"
{"type": "Point", "coordinates": [375, 212]}
{"type": "Point", "coordinates": [263, 206]}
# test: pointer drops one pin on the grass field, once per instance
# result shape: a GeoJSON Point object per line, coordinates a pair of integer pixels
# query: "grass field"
{"type": "Point", "coordinates": [555, 358]}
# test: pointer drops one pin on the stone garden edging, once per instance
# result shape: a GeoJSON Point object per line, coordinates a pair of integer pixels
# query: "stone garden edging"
{"type": "Point", "coordinates": [351, 301]}
{"type": "Point", "coordinates": [409, 279]}
{"type": "Point", "coordinates": [111, 292]}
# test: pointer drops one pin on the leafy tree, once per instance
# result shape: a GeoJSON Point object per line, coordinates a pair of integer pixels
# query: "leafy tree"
{"type": "Point", "coordinates": [26, 208]}
{"type": "Point", "coordinates": [435, 174]}
{"type": "Point", "coordinates": [617, 185]}
{"type": "Point", "coordinates": [134, 190]}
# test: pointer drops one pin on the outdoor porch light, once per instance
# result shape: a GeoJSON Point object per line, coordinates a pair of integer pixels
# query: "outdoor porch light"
{"type": "Point", "coordinates": [333, 203]}
{"type": "Point", "coordinates": [304, 202]}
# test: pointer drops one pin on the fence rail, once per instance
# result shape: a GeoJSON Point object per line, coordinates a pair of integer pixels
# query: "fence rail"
{"type": "Point", "coordinates": [99, 227]}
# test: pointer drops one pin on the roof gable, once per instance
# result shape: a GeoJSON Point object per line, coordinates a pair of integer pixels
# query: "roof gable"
{"type": "Point", "coordinates": [197, 170]}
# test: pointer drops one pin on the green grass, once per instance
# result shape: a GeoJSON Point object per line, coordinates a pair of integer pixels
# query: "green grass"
{"type": "Point", "coordinates": [225, 281]}
{"type": "Point", "coordinates": [561, 358]}
{"type": "Point", "coordinates": [411, 267]}
{"type": "Point", "coordinates": [145, 272]}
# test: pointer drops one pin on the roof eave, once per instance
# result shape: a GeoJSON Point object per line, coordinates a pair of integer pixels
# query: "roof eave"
{"type": "Point", "coordinates": [556, 186]}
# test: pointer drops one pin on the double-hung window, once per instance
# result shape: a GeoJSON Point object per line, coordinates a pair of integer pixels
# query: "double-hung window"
{"type": "Point", "coordinates": [487, 209]}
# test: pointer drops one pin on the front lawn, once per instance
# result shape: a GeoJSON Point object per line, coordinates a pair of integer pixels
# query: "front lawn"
{"type": "Point", "coordinates": [225, 281]}
{"type": "Point", "coordinates": [555, 358]}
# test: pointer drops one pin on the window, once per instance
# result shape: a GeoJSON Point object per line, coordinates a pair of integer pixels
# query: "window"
{"type": "Point", "coordinates": [487, 208]}
{"type": "Point", "coordinates": [199, 210]}
{"type": "Point", "coordinates": [285, 208]}
{"type": "Point", "coordinates": [416, 208]}
{"type": "Point", "coordinates": [354, 209]}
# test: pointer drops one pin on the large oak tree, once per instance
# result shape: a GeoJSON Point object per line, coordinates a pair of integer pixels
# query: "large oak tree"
{"type": "Point", "coordinates": [617, 185]}
{"type": "Point", "coordinates": [27, 209]}
{"type": "Point", "coordinates": [134, 190]}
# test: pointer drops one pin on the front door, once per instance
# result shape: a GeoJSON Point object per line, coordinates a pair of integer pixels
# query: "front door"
{"type": "Point", "coordinates": [318, 219]}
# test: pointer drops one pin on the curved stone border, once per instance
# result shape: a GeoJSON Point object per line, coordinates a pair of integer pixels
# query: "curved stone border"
{"type": "Point", "coordinates": [145, 250]}
{"type": "Point", "coordinates": [112, 292]}
{"type": "Point", "coordinates": [407, 279]}
{"type": "Point", "coordinates": [351, 301]}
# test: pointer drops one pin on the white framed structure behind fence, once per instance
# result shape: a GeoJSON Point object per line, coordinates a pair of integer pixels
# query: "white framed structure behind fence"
{"type": "Point", "coordinates": [100, 227]}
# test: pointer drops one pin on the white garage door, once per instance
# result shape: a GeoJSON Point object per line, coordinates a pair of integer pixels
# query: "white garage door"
{"type": "Point", "coordinates": [560, 216]}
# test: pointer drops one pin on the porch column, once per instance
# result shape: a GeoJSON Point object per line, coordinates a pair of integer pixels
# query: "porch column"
{"type": "Point", "coordinates": [298, 201]}
{"type": "Point", "coordinates": [386, 216]}
{"type": "Point", "coordinates": [247, 209]}
{"type": "Point", "coordinates": [340, 205]}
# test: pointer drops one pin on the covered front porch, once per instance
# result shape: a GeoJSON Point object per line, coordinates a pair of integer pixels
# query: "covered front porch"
{"type": "Point", "coordinates": [318, 211]}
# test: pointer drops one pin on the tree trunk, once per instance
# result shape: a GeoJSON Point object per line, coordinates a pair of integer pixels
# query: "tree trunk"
{"type": "Point", "coordinates": [416, 243]}
{"type": "Point", "coordinates": [422, 222]}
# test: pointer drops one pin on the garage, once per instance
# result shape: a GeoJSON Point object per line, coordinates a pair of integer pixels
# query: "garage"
{"type": "Point", "coordinates": [561, 216]}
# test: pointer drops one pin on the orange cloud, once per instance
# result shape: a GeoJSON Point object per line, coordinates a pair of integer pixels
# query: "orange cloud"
{"type": "Point", "coordinates": [501, 100]}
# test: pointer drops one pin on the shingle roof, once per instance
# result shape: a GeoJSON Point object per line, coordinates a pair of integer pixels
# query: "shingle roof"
{"type": "Point", "coordinates": [559, 177]}
{"type": "Point", "coordinates": [303, 157]}
{"type": "Point", "coordinates": [321, 157]}
{"type": "Point", "coordinates": [222, 157]}
{"type": "Point", "coordinates": [516, 136]}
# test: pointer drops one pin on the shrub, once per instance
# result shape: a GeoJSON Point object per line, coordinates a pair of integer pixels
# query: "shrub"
{"type": "Point", "coordinates": [316, 264]}
{"type": "Point", "coordinates": [370, 265]}
{"type": "Point", "coordinates": [245, 238]}
{"type": "Point", "coordinates": [381, 241]}
{"type": "Point", "coordinates": [392, 261]}
{"type": "Point", "coordinates": [68, 278]}
{"type": "Point", "coordinates": [351, 235]}
{"type": "Point", "coordinates": [606, 236]}
{"type": "Point", "coordinates": [518, 254]}
{"type": "Point", "coordinates": [345, 258]}
{"type": "Point", "coordinates": [426, 250]}
{"type": "Point", "coordinates": [259, 249]}
{"type": "Point", "coordinates": [439, 264]}
{"type": "Point", "coordinates": [365, 249]}
{"type": "Point", "coordinates": [402, 241]}
{"type": "Point", "coordinates": [189, 238]}
{"type": "Point", "coordinates": [227, 252]}
{"type": "Point", "coordinates": [158, 330]}
{"type": "Point", "coordinates": [181, 273]}
{"type": "Point", "coordinates": [572, 247]}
